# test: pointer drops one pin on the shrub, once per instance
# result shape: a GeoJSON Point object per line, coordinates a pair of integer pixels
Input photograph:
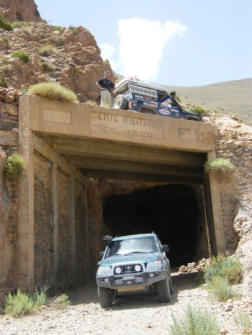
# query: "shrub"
{"type": "Point", "coordinates": [195, 322]}
{"type": "Point", "coordinates": [22, 55]}
{"type": "Point", "coordinates": [6, 69]}
{"type": "Point", "coordinates": [46, 51]}
{"type": "Point", "coordinates": [58, 28]}
{"type": "Point", "coordinates": [5, 39]}
{"type": "Point", "coordinates": [23, 90]}
{"type": "Point", "coordinates": [61, 301]}
{"type": "Point", "coordinates": [39, 299]}
{"type": "Point", "coordinates": [228, 268]}
{"type": "Point", "coordinates": [243, 322]}
{"type": "Point", "coordinates": [20, 303]}
{"type": "Point", "coordinates": [218, 164]}
{"type": "Point", "coordinates": [20, 24]}
{"type": "Point", "coordinates": [53, 91]}
{"type": "Point", "coordinates": [3, 82]}
{"type": "Point", "coordinates": [199, 109]}
{"type": "Point", "coordinates": [91, 102]}
{"type": "Point", "coordinates": [60, 42]}
{"type": "Point", "coordinates": [221, 289]}
{"type": "Point", "coordinates": [5, 24]}
{"type": "Point", "coordinates": [14, 166]}
{"type": "Point", "coordinates": [48, 67]}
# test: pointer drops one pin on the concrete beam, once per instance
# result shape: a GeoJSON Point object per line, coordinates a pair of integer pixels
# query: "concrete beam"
{"type": "Point", "coordinates": [93, 122]}
{"type": "Point", "coordinates": [114, 165]}
{"type": "Point", "coordinates": [167, 179]}
{"type": "Point", "coordinates": [120, 151]}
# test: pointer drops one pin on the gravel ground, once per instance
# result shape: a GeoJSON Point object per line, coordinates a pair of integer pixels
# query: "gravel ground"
{"type": "Point", "coordinates": [137, 313]}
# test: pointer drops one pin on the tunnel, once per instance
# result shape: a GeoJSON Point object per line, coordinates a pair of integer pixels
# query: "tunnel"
{"type": "Point", "coordinates": [174, 212]}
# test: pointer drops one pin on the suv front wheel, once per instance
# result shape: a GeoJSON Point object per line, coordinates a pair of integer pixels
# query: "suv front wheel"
{"type": "Point", "coordinates": [105, 296]}
{"type": "Point", "coordinates": [164, 290]}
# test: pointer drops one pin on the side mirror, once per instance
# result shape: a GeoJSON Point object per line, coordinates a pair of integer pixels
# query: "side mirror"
{"type": "Point", "coordinates": [101, 254]}
{"type": "Point", "coordinates": [165, 248]}
{"type": "Point", "coordinates": [107, 238]}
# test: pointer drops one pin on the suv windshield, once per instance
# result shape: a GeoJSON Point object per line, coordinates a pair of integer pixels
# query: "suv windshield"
{"type": "Point", "coordinates": [131, 246]}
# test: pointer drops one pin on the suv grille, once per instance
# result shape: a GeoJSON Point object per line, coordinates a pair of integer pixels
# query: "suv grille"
{"type": "Point", "coordinates": [128, 268]}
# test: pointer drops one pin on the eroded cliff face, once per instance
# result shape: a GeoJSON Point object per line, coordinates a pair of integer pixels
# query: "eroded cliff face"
{"type": "Point", "coordinates": [235, 143]}
{"type": "Point", "coordinates": [70, 57]}
{"type": "Point", "coordinates": [8, 192]}
{"type": "Point", "coordinates": [20, 10]}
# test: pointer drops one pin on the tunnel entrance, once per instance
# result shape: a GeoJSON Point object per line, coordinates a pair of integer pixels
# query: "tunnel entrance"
{"type": "Point", "coordinates": [174, 212]}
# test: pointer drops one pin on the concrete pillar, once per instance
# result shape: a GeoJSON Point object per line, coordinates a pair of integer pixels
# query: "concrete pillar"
{"type": "Point", "coordinates": [87, 230]}
{"type": "Point", "coordinates": [216, 210]}
{"type": "Point", "coordinates": [55, 222]}
{"type": "Point", "coordinates": [25, 252]}
{"type": "Point", "coordinates": [73, 227]}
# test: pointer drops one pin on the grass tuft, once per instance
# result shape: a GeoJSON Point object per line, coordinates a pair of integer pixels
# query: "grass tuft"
{"type": "Point", "coordinates": [199, 109]}
{"type": "Point", "coordinates": [20, 303]}
{"type": "Point", "coordinates": [243, 322]}
{"type": "Point", "coordinates": [91, 102]}
{"type": "Point", "coordinates": [228, 268]}
{"type": "Point", "coordinates": [22, 55]}
{"type": "Point", "coordinates": [5, 24]}
{"type": "Point", "coordinates": [195, 322]}
{"type": "Point", "coordinates": [219, 164]}
{"type": "Point", "coordinates": [3, 82]}
{"type": "Point", "coordinates": [61, 301]}
{"type": "Point", "coordinates": [5, 39]}
{"type": "Point", "coordinates": [46, 51]}
{"type": "Point", "coordinates": [48, 67]}
{"type": "Point", "coordinates": [58, 28]}
{"type": "Point", "coordinates": [14, 166]}
{"type": "Point", "coordinates": [53, 91]}
{"type": "Point", "coordinates": [221, 289]}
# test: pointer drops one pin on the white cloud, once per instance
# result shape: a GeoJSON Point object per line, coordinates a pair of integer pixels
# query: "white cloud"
{"type": "Point", "coordinates": [142, 45]}
{"type": "Point", "coordinates": [108, 52]}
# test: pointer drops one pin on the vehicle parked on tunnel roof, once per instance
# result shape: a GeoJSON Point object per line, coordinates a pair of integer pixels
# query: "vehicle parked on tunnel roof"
{"type": "Point", "coordinates": [146, 98]}
{"type": "Point", "coordinates": [133, 261]}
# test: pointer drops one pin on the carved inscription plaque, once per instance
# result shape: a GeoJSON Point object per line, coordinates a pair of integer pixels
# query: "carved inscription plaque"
{"type": "Point", "coordinates": [188, 134]}
{"type": "Point", "coordinates": [58, 117]}
{"type": "Point", "coordinates": [127, 126]}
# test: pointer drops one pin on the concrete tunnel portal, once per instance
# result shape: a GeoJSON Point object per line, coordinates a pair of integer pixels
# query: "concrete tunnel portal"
{"type": "Point", "coordinates": [88, 180]}
{"type": "Point", "coordinates": [174, 212]}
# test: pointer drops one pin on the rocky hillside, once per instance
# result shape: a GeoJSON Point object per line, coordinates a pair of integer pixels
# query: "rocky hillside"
{"type": "Point", "coordinates": [231, 97]}
{"type": "Point", "coordinates": [20, 10]}
{"type": "Point", "coordinates": [69, 56]}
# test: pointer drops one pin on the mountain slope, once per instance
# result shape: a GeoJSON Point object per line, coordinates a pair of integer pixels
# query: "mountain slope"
{"type": "Point", "coordinates": [20, 10]}
{"type": "Point", "coordinates": [231, 97]}
{"type": "Point", "coordinates": [69, 56]}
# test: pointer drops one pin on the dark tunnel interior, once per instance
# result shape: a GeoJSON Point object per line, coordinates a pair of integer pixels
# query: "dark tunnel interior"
{"type": "Point", "coordinates": [171, 211]}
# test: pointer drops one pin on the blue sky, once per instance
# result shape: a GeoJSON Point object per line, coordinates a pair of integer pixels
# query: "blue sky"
{"type": "Point", "coordinates": [174, 42]}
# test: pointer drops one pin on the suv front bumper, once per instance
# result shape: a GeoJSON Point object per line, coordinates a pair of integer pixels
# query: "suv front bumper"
{"type": "Point", "coordinates": [131, 280]}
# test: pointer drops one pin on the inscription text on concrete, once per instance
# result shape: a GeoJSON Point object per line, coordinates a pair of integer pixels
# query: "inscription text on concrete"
{"type": "Point", "coordinates": [136, 126]}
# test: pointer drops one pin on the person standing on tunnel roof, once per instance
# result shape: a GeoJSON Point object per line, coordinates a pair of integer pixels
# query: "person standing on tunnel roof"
{"type": "Point", "coordinates": [106, 86]}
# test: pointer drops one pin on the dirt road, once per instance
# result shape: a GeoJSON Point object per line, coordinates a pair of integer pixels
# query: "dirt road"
{"type": "Point", "coordinates": [134, 314]}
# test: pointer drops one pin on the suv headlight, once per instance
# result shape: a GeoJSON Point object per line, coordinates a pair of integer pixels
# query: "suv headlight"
{"type": "Point", "coordinates": [104, 271]}
{"type": "Point", "coordinates": [154, 266]}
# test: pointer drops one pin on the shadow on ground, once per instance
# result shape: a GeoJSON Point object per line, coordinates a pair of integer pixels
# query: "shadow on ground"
{"type": "Point", "coordinates": [134, 299]}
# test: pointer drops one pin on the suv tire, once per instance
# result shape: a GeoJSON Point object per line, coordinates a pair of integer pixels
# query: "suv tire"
{"type": "Point", "coordinates": [105, 296]}
{"type": "Point", "coordinates": [163, 290]}
{"type": "Point", "coordinates": [120, 102]}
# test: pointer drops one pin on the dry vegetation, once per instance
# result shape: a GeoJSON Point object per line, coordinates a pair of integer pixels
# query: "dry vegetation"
{"type": "Point", "coordinates": [53, 91]}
